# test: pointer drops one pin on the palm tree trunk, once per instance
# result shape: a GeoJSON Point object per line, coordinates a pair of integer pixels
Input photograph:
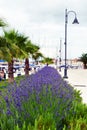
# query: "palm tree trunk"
{"type": "Point", "coordinates": [26, 67]}
{"type": "Point", "coordinates": [10, 72]}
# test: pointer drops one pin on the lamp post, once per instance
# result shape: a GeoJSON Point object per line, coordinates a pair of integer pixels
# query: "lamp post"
{"type": "Point", "coordinates": [66, 21]}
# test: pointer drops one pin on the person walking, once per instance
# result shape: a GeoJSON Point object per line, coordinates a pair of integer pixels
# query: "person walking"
{"type": "Point", "coordinates": [4, 74]}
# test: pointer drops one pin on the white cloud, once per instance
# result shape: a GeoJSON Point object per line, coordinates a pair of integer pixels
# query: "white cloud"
{"type": "Point", "coordinates": [43, 21]}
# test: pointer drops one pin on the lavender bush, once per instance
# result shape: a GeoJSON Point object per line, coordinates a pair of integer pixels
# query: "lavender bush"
{"type": "Point", "coordinates": [42, 93]}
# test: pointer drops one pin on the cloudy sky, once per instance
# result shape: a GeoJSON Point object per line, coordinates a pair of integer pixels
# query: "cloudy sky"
{"type": "Point", "coordinates": [44, 22]}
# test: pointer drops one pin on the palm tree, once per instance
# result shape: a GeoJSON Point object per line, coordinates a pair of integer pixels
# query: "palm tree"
{"type": "Point", "coordinates": [30, 50]}
{"type": "Point", "coordinates": [27, 49]}
{"type": "Point", "coordinates": [5, 53]}
{"type": "Point", "coordinates": [47, 60]}
{"type": "Point", "coordinates": [11, 38]}
{"type": "Point", "coordinates": [23, 44]}
{"type": "Point", "coordinates": [37, 55]}
{"type": "Point", "coordinates": [26, 46]}
{"type": "Point", "coordinates": [83, 58]}
{"type": "Point", "coordinates": [18, 46]}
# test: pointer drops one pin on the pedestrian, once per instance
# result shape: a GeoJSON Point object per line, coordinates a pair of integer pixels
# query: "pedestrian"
{"type": "Point", "coordinates": [0, 76]}
{"type": "Point", "coordinates": [47, 64]}
{"type": "Point", "coordinates": [4, 74]}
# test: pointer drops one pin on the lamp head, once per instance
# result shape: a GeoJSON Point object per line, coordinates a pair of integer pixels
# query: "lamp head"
{"type": "Point", "coordinates": [75, 21]}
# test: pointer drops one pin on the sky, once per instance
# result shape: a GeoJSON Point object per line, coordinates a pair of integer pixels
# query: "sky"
{"type": "Point", "coordinates": [43, 21]}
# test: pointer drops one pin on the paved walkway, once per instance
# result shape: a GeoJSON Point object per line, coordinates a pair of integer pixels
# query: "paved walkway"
{"type": "Point", "coordinates": [78, 79]}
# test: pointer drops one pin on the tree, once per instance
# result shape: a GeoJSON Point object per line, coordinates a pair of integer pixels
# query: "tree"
{"type": "Point", "coordinates": [37, 55]}
{"type": "Point", "coordinates": [47, 60]}
{"type": "Point", "coordinates": [17, 46]}
{"type": "Point", "coordinates": [25, 45]}
{"type": "Point", "coordinates": [14, 50]}
{"type": "Point", "coordinates": [30, 50]}
{"type": "Point", "coordinates": [83, 58]}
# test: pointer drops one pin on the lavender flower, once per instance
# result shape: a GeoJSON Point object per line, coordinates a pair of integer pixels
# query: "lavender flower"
{"type": "Point", "coordinates": [41, 92]}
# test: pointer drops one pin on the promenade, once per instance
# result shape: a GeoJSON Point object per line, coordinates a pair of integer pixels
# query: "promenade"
{"type": "Point", "coordinates": [78, 79]}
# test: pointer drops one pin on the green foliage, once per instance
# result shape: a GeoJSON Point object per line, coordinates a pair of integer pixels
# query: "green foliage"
{"type": "Point", "coordinates": [37, 55]}
{"type": "Point", "coordinates": [14, 39]}
{"type": "Point", "coordinates": [5, 122]}
{"type": "Point", "coordinates": [78, 119]}
{"type": "Point", "coordinates": [2, 23]}
{"type": "Point", "coordinates": [77, 124]}
{"type": "Point", "coordinates": [49, 113]}
{"type": "Point", "coordinates": [45, 122]}
{"type": "Point", "coordinates": [4, 83]}
{"type": "Point", "coordinates": [47, 60]}
{"type": "Point", "coordinates": [83, 58]}
{"type": "Point", "coordinates": [77, 95]}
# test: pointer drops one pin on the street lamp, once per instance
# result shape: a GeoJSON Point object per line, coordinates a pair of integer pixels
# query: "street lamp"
{"type": "Point", "coordinates": [66, 21]}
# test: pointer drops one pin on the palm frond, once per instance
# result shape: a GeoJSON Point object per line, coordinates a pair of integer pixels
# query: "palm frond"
{"type": "Point", "coordinates": [2, 23]}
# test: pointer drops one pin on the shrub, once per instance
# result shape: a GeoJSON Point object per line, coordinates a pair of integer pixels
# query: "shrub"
{"type": "Point", "coordinates": [39, 94]}
{"type": "Point", "coordinates": [78, 119]}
